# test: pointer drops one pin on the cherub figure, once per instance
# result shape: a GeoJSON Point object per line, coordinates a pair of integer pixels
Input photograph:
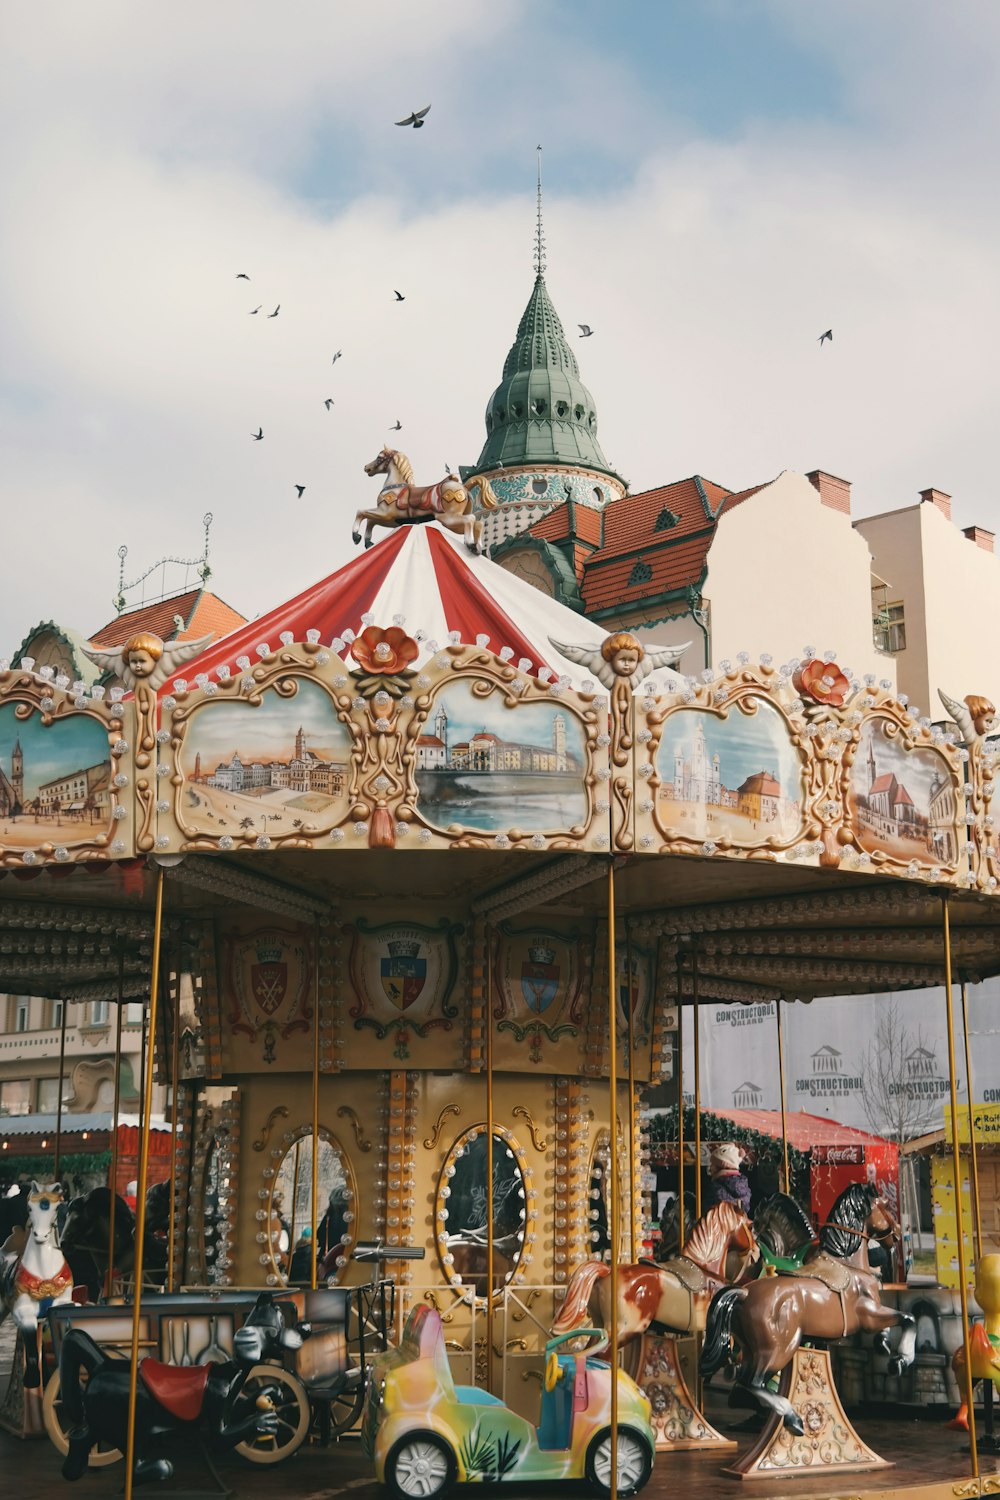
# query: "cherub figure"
{"type": "Point", "coordinates": [975, 717]}
{"type": "Point", "coordinates": [621, 659]}
{"type": "Point", "coordinates": [144, 658]}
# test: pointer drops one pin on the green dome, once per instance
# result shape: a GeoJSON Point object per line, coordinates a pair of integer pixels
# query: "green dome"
{"type": "Point", "coordinates": [541, 412]}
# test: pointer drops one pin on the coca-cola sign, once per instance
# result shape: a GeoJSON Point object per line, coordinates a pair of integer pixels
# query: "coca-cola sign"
{"type": "Point", "coordinates": [839, 1156]}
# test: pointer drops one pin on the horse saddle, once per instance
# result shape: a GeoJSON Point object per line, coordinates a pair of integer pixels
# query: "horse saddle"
{"type": "Point", "coordinates": [688, 1273]}
{"type": "Point", "coordinates": [180, 1389]}
{"type": "Point", "coordinates": [825, 1268]}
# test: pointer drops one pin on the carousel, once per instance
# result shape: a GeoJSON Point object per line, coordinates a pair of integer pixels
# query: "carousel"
{"type": "Point", "coordinates": [421, 877]}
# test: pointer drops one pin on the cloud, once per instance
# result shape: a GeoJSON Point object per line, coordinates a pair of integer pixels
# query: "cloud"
{"type": "Point", "coordinates": [156, 156]}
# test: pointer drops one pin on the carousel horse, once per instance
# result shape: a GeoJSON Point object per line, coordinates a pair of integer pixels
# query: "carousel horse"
{"type": "Point", "coordinates": [784, 1231]}
{"type": "Point", "coordinates": [832, 1295]}
{"type": "Point", "coordinates": [86, 1236]}
{"type": "Point", "coordinates": [670, 1239]}
{"type": "Point", "coordinates": [171, 1400]}
{"type": "Point", "coordinates": [39, 1278]}
{"type": "Point", "coordinates": [402, 503]}
{"type": "Point", "coordinates": [675, 1294]}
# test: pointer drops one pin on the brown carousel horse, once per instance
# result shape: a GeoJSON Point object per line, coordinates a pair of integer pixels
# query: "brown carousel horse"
{"type": "Point", "coordinates": [722, 1248]}
{"type": "Point", "coordinates": [834, 1293]}
{"type": "Point", "coordinates": [403, 503]}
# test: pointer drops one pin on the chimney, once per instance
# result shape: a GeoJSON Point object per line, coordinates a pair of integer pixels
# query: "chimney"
{"type": "Point", "coordinates": [939, 499]}
{"type": "Point", "coordinates": [834, 492]}
{"type": "Point", "coordinates": [980, 536]}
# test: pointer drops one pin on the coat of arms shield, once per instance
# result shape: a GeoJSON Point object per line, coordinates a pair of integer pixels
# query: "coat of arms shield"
{"type": "Point", "coordinates": [539, 978]}
{"type": "Point", "coordinates": [269, 979]}
{"type": "Point", "coordinates": [403, 972]}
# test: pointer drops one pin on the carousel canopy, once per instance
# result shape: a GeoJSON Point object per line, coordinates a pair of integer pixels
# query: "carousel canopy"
{"type": "Point", "coordinates": [427, 577]}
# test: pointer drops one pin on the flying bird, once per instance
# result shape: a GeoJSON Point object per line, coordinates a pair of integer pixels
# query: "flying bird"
{"type": "Point", "coordinates": [400, 297]}
{"type": "Point", "coordinates": [586, 332]}
{"type": "Point", "coordinates": [336, 356]}
{"type": "Point", "coordinates": [398, 427]}
{"type": "Point", "coordinates": [416, 119]}
{"type": "Point", "coordinates": [257, 435]}
{"type": "Point", "coordinates": [242, 276]}
{"type": "Point", "coordinates": [301, 489]}
{"type": "Point", "coordinates": [827, 335]}
{"type": "Point", "coordinates": [328, 402]}
{"type": "Point", "coordinates": [276, 311]}
{"type": "Point", "coordinates": [256, 309]}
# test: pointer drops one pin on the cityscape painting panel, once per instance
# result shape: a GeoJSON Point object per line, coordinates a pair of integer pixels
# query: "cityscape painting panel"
{"type": "Point", "coordinates": [55, 781]}
{"type": "Point", "coordinates": [280, 768]}
{"type": "Point", "coordinates": [903, 802]}
{"type": "Point", "coordinates": [737, 776]}
{"type": "Point", "coordinates": [481, 765]}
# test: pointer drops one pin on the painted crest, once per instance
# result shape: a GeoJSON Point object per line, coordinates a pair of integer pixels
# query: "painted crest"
{"type": "Point", "coordinates": [540, 977]}
{"type": "Point", "coordinates": [269, 978]}
{"type": "Point", "coordinates": [403, 971]}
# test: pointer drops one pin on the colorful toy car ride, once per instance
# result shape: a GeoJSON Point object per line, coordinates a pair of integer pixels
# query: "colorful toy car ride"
{"type": "Point", "coordinates": [425, 1433]}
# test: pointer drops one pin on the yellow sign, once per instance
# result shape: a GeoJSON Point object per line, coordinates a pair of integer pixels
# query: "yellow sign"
{"type": "Point", "coordinates": [985, 1122]}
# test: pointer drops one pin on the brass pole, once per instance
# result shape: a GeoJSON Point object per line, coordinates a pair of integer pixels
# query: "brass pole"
{"type": "Point", "coordinates": [489, 1161]}
{"type": "Point", "coordinates": [781, 1085]}
{"type": "Point", "coordinates": [315, 1121]}
{"type": "Point", "coordinates": [630, 1018]}
{"type": "Point", "coordinates": [680, 1108]}
{"type": "Point", "coordinates": [59, 1091]}
{"type": "Point", "coordinates": [697, 1084]}
{"type": "Point", "coordinates": [140, 1195]}
{"type": "Point", "coordinates": [977, 1222]}
{"type": "Point", "coordinates": [114, 1122]}
{"type": "Point", "coordinates": [613, 1181]}
{"type": "Point", "coordinates": [175, 1059]}
{"type": "Point", "coordinates": [957, 1168]}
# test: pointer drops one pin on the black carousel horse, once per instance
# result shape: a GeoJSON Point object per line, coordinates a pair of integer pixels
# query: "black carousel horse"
{"type": "Point", "coordinates": [670, 1241]}
{"type": "Point", "coordinates": [171, 1400]}
{"type": "Point", "coordinates": [85, 1236]}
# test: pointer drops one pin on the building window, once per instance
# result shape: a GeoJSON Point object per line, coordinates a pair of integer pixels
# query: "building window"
{"type": "Point", "coordinates": [665, 520]}
{"type": "Point", "coordinates": [641, 573]}
{"type": "Point", "coordinates": [48, 1096]}
{"type": "Point", "coordinates": [99, 1013]}
{"type": "Point", "coordinates": [133, 1013]}
{"type": "Point", "coordinates": [890, 628]}
{"type": "Point", "coordinates": [21, 1010]}
{"type": "Point", "coordinates": [540, 486]}
{"type": "Point", "coordinates": [15, 1096]}
{"type": "Point", "coordinates": [56, 1013]}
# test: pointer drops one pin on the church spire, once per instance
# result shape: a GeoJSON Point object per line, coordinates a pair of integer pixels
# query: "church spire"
{"type": "Point", "coordinates": [539, 231]}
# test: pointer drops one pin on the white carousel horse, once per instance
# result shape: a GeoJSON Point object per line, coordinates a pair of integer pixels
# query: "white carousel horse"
{"type": "Point", "coordinates": [402, 503]}
{"type": "Point", "coordinates": [37, 1279]}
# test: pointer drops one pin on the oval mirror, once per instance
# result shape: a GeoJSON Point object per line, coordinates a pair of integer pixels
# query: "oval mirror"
{"type": "Point", "coordinates": [460, 1210]}
{"type": "Point", "coordinates": [288, 1233]}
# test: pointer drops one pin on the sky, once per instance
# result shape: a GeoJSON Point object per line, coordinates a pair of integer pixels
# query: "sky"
{"type": "Point", "coordinates": [268, 732]}
{"type": "Point", "coordinates": [66, 746]}
{"type": "Point", "coordinates": [744, 743]}
{"type": "Point", "coordinates": [724, 180]}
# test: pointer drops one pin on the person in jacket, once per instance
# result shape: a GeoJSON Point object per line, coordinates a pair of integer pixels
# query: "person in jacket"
{"type": "Point", "coordinates": [728, 1182]}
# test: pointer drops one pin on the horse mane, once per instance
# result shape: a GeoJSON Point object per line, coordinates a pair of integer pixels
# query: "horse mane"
{"type": "Point", "coordinates": [403, 465]}
{"type": "Point", "coordinates": [839, 1237]}
{"type": "Point", "coordinates": [708, 1239]}
{"type": "Point", "coordinates": [781, 1218]}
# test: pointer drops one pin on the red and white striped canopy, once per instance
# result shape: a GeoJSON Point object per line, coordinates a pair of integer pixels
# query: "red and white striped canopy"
{"type": "Point", "coordinates": [428, 577]}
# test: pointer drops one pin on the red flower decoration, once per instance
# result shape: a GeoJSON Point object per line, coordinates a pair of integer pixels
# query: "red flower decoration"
{"type": "Point", "coordinates": [384, 652]}
{"type": "Point", "coordinates": [823, 681]}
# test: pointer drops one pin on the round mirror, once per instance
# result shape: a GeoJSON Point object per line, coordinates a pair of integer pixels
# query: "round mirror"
{"type": "Point", "coordinates": [461, 1206]}
{"type": "Point", "coordinates": [287, 1233]}
{"type": "Point", "coordinates": [600, 1166]}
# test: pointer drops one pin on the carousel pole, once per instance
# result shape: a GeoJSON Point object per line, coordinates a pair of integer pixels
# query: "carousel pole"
{"type": "Point", "coordinates": [697, 1084]}
{"type": "Point", "coordinates": [140, 1194]}
{"type": "Point", "coordinates": [957, 1169]}
{"type": "Point", "coordinates": [59, 1091]}
{"type": "Point", "coordinates": [314, 1185]}
{"type": "Point", "coordinates": [680, 1108]}
{"type": "Point", "coordinates": [175, 1058]}
{"type": "Point", "coordinates": [781, 1086]}
{"type": "Point", "coordinates": [977, 1222]}
{"type": "Point", "coordinates": [630, 1018]}
{"type": "Point", "coordinates": [613, 1225]}
{"type": "Point", "coordinates": [489, 1161]}
{"type": "Point", "coordinates": [114, 1122]}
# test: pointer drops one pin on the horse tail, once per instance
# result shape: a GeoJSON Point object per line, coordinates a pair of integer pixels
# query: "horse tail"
{"type": "Point", "coordinates": [79, 1352]}
{"type": "Point", "coordinates": [487, 494]}
{"type": "Point", "coordinates": [719, 1328]}
{"type": "Point", "coordinates": [574, 1309]}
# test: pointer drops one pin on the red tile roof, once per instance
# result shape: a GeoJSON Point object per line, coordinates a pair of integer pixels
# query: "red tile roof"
{"type": "Point", "coordinates": [203, 614]}
{"type": "Point", "coordinates": [804, 1130]}
{"type": "Point", "coordinates": [762, 782]}
{"type": "Point", "coordinates": [555, 526]}
{"type": "Point", "coordinates": [881, 783]}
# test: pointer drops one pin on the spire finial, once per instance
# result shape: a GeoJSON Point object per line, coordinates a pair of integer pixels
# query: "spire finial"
{"type": "Point", "coordinates": [539, 231]}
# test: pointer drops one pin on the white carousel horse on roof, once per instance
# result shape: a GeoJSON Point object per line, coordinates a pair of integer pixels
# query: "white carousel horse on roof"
{"type": "Point", "coordinates": [39, 1277]}
{"type": "Point", "coordinates": [403, 503]}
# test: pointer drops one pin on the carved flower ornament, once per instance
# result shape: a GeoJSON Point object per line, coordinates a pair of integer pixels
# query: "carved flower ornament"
{"type": "Point", "coordinates": [822, 681]}
{"type": "Point", "coordinates": [384, 652]}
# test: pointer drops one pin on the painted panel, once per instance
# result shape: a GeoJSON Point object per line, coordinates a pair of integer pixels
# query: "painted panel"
{"type": "Point", "coordinates": [65, 784]}
{"type": "Point", "coordinates": [904, 802]}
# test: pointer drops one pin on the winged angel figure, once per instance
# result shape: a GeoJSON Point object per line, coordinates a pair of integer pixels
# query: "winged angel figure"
{"type": "Point", "coordinates": [621, 659]}
{"type": "Point", "coordinates": [975, 716]}
{"type": "Point", "coordinates": [145, 659]}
